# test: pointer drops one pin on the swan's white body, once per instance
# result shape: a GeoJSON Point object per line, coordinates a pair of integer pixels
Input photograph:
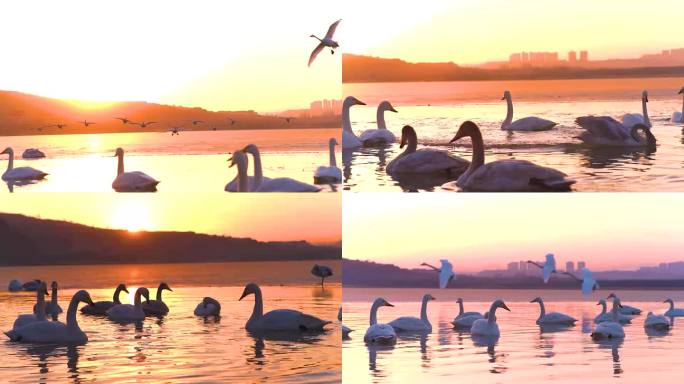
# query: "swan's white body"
{"type": "Point", "coordinates": [330, 174]}
{"type": "Point", "coordinates": [488, 326]}
{"type": "Point", "coordinates": [157, 307]}
{"type": "Point", "coordinates": [465, 319]}
{"type": "Point", "coordinates": [424, 161]}
{"type": "Point", "coordinates": [630, 310]}
{"type": "Point", "coordinates": [610, 329]}
{"type": "Point", "coordinates": [446, 272]}
{"type": "Point", "coordinates": [100, 308]}
{"type": "Point", "coordinates": [608, 316]}
{"type": "Point", "coordinates": [132, 181]}
{"type": "Point", "coordinates": [552, 318]}
{"type": "Point", "coordinates": [38, 310]}
{"type": "Point", "coordinates": [326, 41]}
{"type": "Point", "coordinates": [279, 184]}
{"type": "Point", "coordinates": [589, 284]}
{"type": "Point", "coordinates": [548, 267]}
{"type": "Point", "coordinates": [414, 324]}
{"type": "Point", "coordinates": [19, 173]}
{"type": "Point", "coordinates": [381, 135]}
{"type": "Point", "coordinates": [33, 153]}
{"type": "Point", "coordinates": [672, 311]}
{"type": "Point", "coordinates": [287, 320]}
{"type": "Point", "coordinates": [526, 123]}
{"type": "Point", "coordinates": [604, 131]}
{"type": "Point", "coordinates": [657, 322]}
{"type": "Point", "coordinates": [632, 119]}
{"type": "Point", "coordinates": [678, 117]}
{"type": "Point", "coordinates": [379, 333]}
{"type": "Point", "coordinates": [208, 307]}
{"type": "Point", "coordinates": [349, 139]}
{"type": "Point", "coordinates": [253, 181]}
{"type": "Point", "coordinates": [127, 313]}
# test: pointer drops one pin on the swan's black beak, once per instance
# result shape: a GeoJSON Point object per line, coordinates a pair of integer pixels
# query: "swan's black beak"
{"type": "Point", "coordinates": [244, 294]}
{"type": "Point", "coordinates": [504, 306]}
{"type": "Point", "coordinates": [503, 98]}
{"type": "Point", "coordinates": [125, 290]}
{"type": "Point", "coordinates": [388, 304]}
{"type": "Point", "coordinates": [359, 102]}
{"type": "Point", "coordinates": [681, 91]}
{"type": "Point", "coordinates": [393, 110]}
{"type": "Point", "coordinates": [456, 138]}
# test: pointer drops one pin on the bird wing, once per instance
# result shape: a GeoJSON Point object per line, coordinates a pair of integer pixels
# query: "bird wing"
{"type": "Point", "coordinates": [315, 53]}
{"type": "Point", "coordinates": [331, 29]}
{"type": "Point", "coordinates": [604, 126]}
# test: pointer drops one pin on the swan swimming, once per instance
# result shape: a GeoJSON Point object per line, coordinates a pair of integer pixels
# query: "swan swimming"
{"type": "Point", "coordinates": [379, 333]}
{"type": "Point", "coordinates": [465, 319]}
{"type": "Point", "coordinates": [425, 160]}
{"type": "Point", "coordinates": [278, 319]}
{"type": "Point", "coordinates": [507, 175]}
{"type": "Point", "coordinates": [157, 307]}
{"type": "Point", "coordinates": [552, 318]}
{"type": "Point", "coordinates": [678, 117]}
{"type": "Point", "coordinates": [19, 173]}
{"type": "Point", "coordinates": [208, 307]}
{"type": "Point", "coordinates": [278, 184]}
{"type": "Point", "coordinates": [380, 136]}
{"type": "Point", "coordinates": [346, 331]}
{"type": "Point", "coordinates": [15, 286]}
{"type": "Point", "coordinates": [330, 174]}
{"type": "Point", "coordinates": [657, 322]}
{"type": "Point", "coordinates": [608, 316]}
{"type": "Point", "coordinates": [131, 181]}
{"type": "Point", "coordinates": [100, 308]}
{"type": "Point", "coordinates": [672, 311]}
{"type": "Point", "coordinates": [349, 139]}
{"type": "Point", "coordinates": [38, 310]}
{"type": "Point", "coordinates": [604, 131]}
{"type": "Point", "coordinates": [548, 268]}
{"type": "Point", "coordinates": [326, 41]}
{"type": "Point", "coordinates": [253, 181]}
{"type": "Point", "coordinates": [127, 313]}
{"type": "Point", "coordinates": [487, 326]}
{"type": "Point", "coordinates": [629, 310]}
{"type": "Point", "coordinates": [632, 119]}
{"type": "Point", "coordinates": [610, 329]}
{"type": "Point", "coordinates": [321, 271]}
{"type": "Point", "coordinates": [55, 332]}
{"type": "Point", "coordinates": [52, 308]}
{"type": "Point", "coordinates": [589, 284]}
{"type": "Point", "coordinates": [446, 272]}
{"type": "Point", "coordinates": [526, 123]}
{"type": "Point", "coordinates": [414, 324]}
{"type": "Point", "coordinates": [33, 153]}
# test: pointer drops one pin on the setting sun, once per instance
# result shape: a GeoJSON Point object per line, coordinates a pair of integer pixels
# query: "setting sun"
{"type": "Point", "coordinates": [131, 215]}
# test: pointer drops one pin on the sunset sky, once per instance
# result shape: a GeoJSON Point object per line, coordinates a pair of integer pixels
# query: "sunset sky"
{"type": "Point", "coordinates": [481, 231]}
{"type": "Point", "coordinates": [475, 31]}
{"type": "Point", "coordinates": [260, 216]}
{"type": "Point", "coordinates": [220, 55]}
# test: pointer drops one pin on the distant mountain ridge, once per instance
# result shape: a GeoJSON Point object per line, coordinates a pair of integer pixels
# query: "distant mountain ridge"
{"type": "Point", "coordinates": [30, 241]}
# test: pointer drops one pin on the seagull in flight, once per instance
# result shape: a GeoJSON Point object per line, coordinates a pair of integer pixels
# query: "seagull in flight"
{"type": "Point", "coordinates": [326, 41]}
{"type": "Point", "coordinates": [125, 120]}
{"type": "Point", "coordinates": [144, 124]}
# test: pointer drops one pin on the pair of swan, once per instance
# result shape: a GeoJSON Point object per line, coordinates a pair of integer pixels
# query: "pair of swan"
{"type": "Point", "coordinates": [507, 175]}
{"type": "Point", "coordinates": [129, 313]}
{"type": "Point", "coordinates": [32, 153]}
{"type": "Point", "coordinates": [611, 329]}
{"type": "Point", "coordinates": [326, 41]}
{"type": "Point", "coordinates": [38, 310]}
{"type": "Point", "coordinates": [330, 174]}
{"type": "Point", "coordinates": [380, 136]}
{"type": "Point", "coordinates": [446, 272]}
{"type": "Point", "coordinates": [552, 318]}
{"type": "Point", "coordinates": [131, 181]}
{"type": "Point", "coordinates": [19, 173]}
{"type": "Point", "coordinates": [424, 161]}
{"type": "Point", "coordinates": [378, 333]}
{"type": "Point", "coordinates": [672, 311]}
{"type": "Point", "coordinates": [678, 117]}
{"type": "Point", "coordinates": [608, 316]}
{"type": "Point", "coordinates": [157, 307]}
{"type": "Point", "coordinates": [100, 308]}
{"type": "Point", "coordinates": [487, 326]}
{"type": "Point", "coordinates": [414, 324]}
{"type": "Point", "coordinates": [55, 332]}
{"type": "Point", "coordinates": [259, 183]}
{"type": "Point", "coordinates": [52, 308]}
{"type": "Point", "coordinates": [465, 319]}
{"type": "Point", "coordinates": [526, 123]}
{"type": "Point", "coordinates": [321, 271]}
{"type": "Point", "coordinates": [632, 119]}
{"type": "Point", "coordinates": [547, 268]}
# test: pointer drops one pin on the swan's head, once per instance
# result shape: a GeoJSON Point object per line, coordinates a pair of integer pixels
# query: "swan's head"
{"type": "Point", "coordinates": [164, 286]}
{"type": "Point", "coordinates": [500, 304]}
{"type": "Point", "coordinates": [601, 302]}
{"type": "Point", "coordinates": [669, 301]}
{"type": "Point", "coordinates": [239, 158]}
{"type": "Point", "coordinates": [83, 297]}
{"type": "Point", "coordinates": [459, 300]}
{"type": "Point", "coordinates": [43, 288]}
{"type": "Point", "coordinates": [333, 142]}
{"type": "Point", "coordinates": [467, 129]}
{"type": "Point", "coordinates": [380, 302]}
{"type": "Point", "coordinates": [550, 258]}
{"type": "Point", "coordinates": [407, 133]}
{"type": "Point", "coordinates": [586, 273]}
{"type": "Point", "coordinates": [650, 138]}
{"type": "Point", "coordinates": [681, 91]}
{"type": "Point", "coordinates": [122, 287]}
{"type": "Point", "coordinates": [250, 289]}
{"type": "Point", "coordinates": [252, 149]}
{"type": "Point", "coordinates": [118, 152]}
{"type": "Point", "coordinates": [506, 95]}
{"type": "Point", "coordinates": [54, 285]}
{"type": "Point", "coordinates": [536, 300]}
{"type": "Point", "coordinates": [386, 106]}
{"type": "Point", "coordinates": [7, 151]}
{"type": "Point", "coordinates": [351, 101]}
{"type": "Point", "coordinates": [644, 96]}
{"type": "Point", "coordinates": [142, 291]}
{"type": "Point", "coordinates": [428, 297]}
{"type": "Point", "coordinates": [612, 296]}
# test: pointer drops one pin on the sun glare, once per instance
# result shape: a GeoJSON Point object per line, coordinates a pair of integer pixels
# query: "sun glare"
{"type": "Point", "coordinates": [132, 216]}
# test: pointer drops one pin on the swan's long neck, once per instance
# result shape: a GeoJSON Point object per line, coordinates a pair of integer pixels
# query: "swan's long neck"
{"type": "Point", "coordinates": [460, 308]}
{"type": "Point", "coordinates": [604, 307]}
{"type": "Point", "coordinates": [333, 161]}
{"type": "Point", "coordinates": [258, 171]}
{"type": "Point", "coordinates": [120, 167]}
{"type": "Point", "coordinates": [346, 120]}
{"type": "Point", "coordinates": [117, 291]}
{"type": "Point", "coordinates": [40, 307]}
{"type": "Point", "coordinates": [543, 310]}
{"type": "Point", "coordinates": [644, 107]}
{"type": "Point", "coordinates": [159, 294]}
{"type": "Point", "coordinates": [412, 143]}
{"type": "Point", "coordinates": [258, 310]}
{"type": "Point", "coordinates": [71, 313]}
{"type": "Point", "coordinates": [53, 299]}
{"type": "Point", "coordinates": [10, 164]}
{"type": "Point", "coordinates": [509, 112]}
{"type": "Point", "coordinates": [478, 151]}
{"type": "Point", "coordinates": [243, 180]}
{"type": "Point", "coordinates": [423, 311]}
{"type": "Point", "coordinates": [374, 313]}
{"type": "Point", "coordinates": [138, 301]}
{"type": "Point", "coordinates": [380, 118]}
{"type": "Point", "coordinates": [492, 314]}
{"type": "Point", "coordinates": [682, 107]}
{"type": "Point", "coordinates": [671, 304]}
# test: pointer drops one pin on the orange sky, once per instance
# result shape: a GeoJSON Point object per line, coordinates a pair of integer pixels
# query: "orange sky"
{"type": "Point", "coordinates": [478, 231]}
{"type": "Point", "coordinates": [475, 31]}
{"type": "Point", "coordinates": [220, 55]}
{"type": "Point", "coordinates": [260, 216]}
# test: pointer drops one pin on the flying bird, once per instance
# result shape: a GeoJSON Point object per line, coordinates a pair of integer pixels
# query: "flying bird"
{"type": "Point", "coordinates": [548, 268]}
{"type": "Point", "coordinates": [175, 131]}
{"type": "Point", "coordinates": [124, 120]}
{"type": "Point", "coordinates": [446, 272]}
{"type": "Point", "coordinates": [195, 122]}
{"type": "Point", "coordinates": [326, 41]}
{"type": "Point", "coordinates": [86, 123]}
{"type": "Point", "coordinates": [144, 124]}
{"type": "Point", "coordinates": [589, 284]}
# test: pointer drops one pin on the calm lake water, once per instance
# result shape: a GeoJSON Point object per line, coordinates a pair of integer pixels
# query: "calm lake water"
{"type": "Point", "coordinates": [436, 110]}
{"type": "Point", "coordinates": [523, 354]}
{"type": "Point", "coordinates": [180, 347]}
{"type": "Point", "coordinates": [193, 161]}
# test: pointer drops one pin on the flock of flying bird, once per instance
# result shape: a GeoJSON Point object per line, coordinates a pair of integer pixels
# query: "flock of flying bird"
{"type": "Point", "coordinates": [43, 325]}
{"type": "Point", "coordinates": [508, 175]}
{"type": "Point", "coordinates": [484, 325]}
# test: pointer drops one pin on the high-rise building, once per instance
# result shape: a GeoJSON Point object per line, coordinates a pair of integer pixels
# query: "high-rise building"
{"type": "Point", "coordinates": [570, 267]}
{"type": "Point", "coordinates": [524, 58]}
{"type": "Point", "coordinates": [572, 57]}
{"type": "Point", "coordinates": [513, 266]}
{"type": "Point", "coordinates": [515, 59]}
{"type": "Point", "coordinates": [581, 265]}
{"type": "Point", "coordinates": [584, 56]}
{"type": "Point", "coordinates": [523, 266]}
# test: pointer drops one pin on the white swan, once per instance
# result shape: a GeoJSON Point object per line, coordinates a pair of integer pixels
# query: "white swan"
{"type": "Point", "coordinates": [588, 283]}
{"type": "Point", "coordinates": [379, 333]}
{"type": "Point", "coordinates": [208, 307]}
{"type": "Point", "coordinates": [349, 139]}
{"type": "Point", "coordinates": [19, 173]}
{"type": "Point", "coordinates": [278, 184]}
{"type": "Point", "coordinates": [552, 318]}
{"type": "Point", "coordinates": [326, 41]}
{"type": "Point", "coordinates": [329, 174]}
{"type": "Point", "coordinates": [610, 329]}
{"type": "Point", "coordinates": [608, 316]}
{"type": "Point", "coordinates": [604, 131]}
{"type": "Point", "coordinates": [629, 310]}
{"type": "Point", "coordinates": [548, 268]}
{"type": "Point", "coordinates": [657, 322]}
{"type": "Point", "coordinates": [56, 332]}
{"type": "Point", "coordinates": [414, 324]}
{"type": "Point", "coordinates": [504, 175]}
{"type": "Point", "coordinates": [465, 319]}
{"type": "Point", "coordinates": [52, 308]}
{"type": "Point", "coordinates": [487, 326]}
{"type": "Point", "coordinates": [446, 272]}
{"type": "Point", "coordinates": [157, 307]}
{"type": "Point", "coordinates": [278, 319]}
{"type": "Point", "coordinates": [678, 117]}
{"type": "Point", "coordinates": [38, 310]}
{"type": "Point", "coordinates": [253, 181]}
{"type": "Point", "coordinates": [632, 119]}
{"type": "Point", "coordinates": [131, 181]}
{"type": "Point", "coordinates": [381, 135]}
{"type": "Point", "coordinates": [32, 153]}
{"type": "Point", "coordinates": [127, 313]}
{"type": "Point", "coordinates": [425, 160]}
{"type": "Point", "coordinates": [321, 271]}
{"type": "Point", "coordinates": [672, 311]}
{"type": "Point", "coordinates": [524, 124]}
{"type": "Point", "coordinates": [100, 308]}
